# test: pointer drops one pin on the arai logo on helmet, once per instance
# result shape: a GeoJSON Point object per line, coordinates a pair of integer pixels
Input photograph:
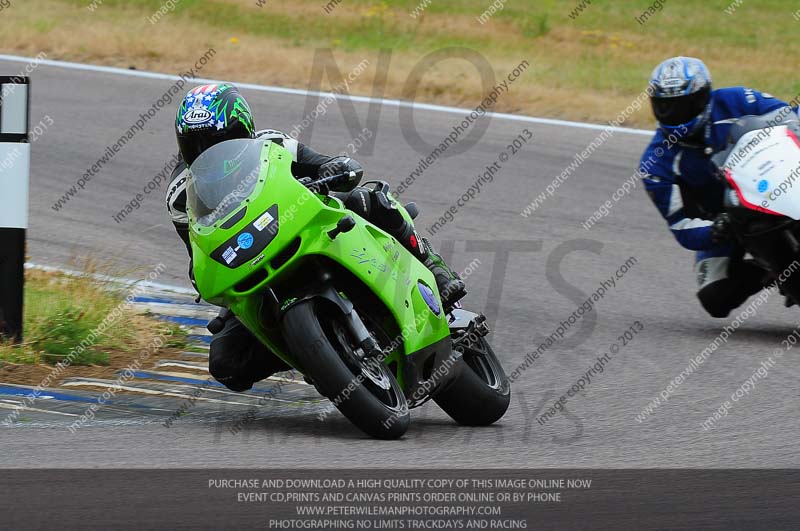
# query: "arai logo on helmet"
{"type": "Point", "coordinates": [195, 116]}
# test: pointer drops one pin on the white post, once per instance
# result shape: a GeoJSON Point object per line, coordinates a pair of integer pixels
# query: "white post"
{"type": "Point", "coordinates": [14, 183]}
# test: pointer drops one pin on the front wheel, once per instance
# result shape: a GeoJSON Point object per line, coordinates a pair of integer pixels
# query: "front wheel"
{"type": "Point", "coordinates": [364, 390]}
{"type": "Point", "coordinates": [480, 395]}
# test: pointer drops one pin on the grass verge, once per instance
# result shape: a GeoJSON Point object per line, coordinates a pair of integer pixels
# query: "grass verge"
{"type": "Point", "coordinates": [63, 313]}
{"type": "Point", "coordinates": [587, 64]}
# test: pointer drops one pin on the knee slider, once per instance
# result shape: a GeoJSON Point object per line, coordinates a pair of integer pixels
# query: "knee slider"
{"type": "Point", "coordinates": [217, 365]}
{"type": "Point", "coordinates": [224, 374]}
{"type": "Point", "coordinates": [715, 299]}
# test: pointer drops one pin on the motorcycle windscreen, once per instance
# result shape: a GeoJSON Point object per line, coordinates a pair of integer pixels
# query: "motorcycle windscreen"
{"type": "Point", "coordinates": [221, 178]}
{"type": "Point", "coordinates": [764, 169]}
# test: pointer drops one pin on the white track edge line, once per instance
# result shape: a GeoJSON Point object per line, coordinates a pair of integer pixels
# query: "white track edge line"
{"type": "Point", "coordinates": [301, 92]}
{"type": "Point", "coordinates": [106, 278]}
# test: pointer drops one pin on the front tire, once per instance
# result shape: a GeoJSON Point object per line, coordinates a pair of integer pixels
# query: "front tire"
{"type": "Point", "coordinates": [365, 391]}
{"type": "Point", "coordinates": [480, 395]}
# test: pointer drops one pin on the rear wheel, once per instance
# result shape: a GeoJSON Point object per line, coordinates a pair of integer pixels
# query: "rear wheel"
{"type": "Point", "coordinates": [363, 389]}
{"type": "Point", "coordinates": [480, 395]}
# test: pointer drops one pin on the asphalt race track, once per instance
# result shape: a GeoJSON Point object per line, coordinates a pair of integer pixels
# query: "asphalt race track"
{"type": "Point", "coordinates": [532, 274]}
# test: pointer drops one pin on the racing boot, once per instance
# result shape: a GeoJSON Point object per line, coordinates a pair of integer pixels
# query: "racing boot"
{"type": "Point", "coordinates": [451, 288]}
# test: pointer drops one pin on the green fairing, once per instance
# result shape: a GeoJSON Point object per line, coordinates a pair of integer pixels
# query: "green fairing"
{"type": "Point", "coordinates": [373, 259]}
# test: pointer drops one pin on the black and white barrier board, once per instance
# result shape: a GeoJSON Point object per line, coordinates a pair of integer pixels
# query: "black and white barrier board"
{"type": "Point", "coordinates": [14, 177]}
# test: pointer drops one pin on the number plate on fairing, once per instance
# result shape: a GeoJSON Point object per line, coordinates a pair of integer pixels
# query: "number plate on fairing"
{"type": "Point", "coordinates": [764, 169]}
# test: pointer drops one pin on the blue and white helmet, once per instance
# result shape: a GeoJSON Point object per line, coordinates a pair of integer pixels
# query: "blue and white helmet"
{"type": "Point", "coordinates": [680, 92]}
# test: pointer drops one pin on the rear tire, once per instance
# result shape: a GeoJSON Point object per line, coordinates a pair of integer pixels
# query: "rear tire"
{"type": "Point", "coordinates": [480, 395]}
{"type": "Point", "coordinates": [367, 393]}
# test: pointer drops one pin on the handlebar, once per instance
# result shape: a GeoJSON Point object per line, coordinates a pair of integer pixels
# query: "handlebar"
{"type": "Point", "coordinates": [332, 178]}
{"type": "Point", "coordinates": [315, 185]}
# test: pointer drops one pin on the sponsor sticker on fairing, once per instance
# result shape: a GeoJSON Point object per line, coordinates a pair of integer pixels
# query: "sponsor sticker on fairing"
{"type": "Point", "coordinates": [430, 298]}
{"type": "Point", "coordinates": [262, 222]}
{"type": "Point", "coordinates": [229, 255]}
{"type": "Point", "coordinates": [245, 240]}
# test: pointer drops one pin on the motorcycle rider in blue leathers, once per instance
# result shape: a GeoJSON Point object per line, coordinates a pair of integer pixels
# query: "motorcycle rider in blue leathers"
{"type": "Point", "coordinates": [693, 123]}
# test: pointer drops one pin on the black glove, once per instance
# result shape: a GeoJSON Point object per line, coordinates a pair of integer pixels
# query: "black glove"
{"type": "Point", "coordinates": [721, 229]}
{"type": "Point", "coordinates": [341, 165]}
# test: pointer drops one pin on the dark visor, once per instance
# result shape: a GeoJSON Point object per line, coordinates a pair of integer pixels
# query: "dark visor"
{"type": "Point", "coordinates": [680, 109]}
{"type": "Point", "coordinates": [192, 145]}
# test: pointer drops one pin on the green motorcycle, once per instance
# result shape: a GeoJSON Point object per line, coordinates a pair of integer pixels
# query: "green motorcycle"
{"type": "Point", "coordinates": [334, 296]}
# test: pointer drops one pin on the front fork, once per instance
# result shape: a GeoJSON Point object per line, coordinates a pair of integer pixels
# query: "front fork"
{"type": "Point", "coordinates": [465, 327]}
{"type": "Point", "coordinates": [360, 333]}
{"type": "Point", "coordinates": [476, 327]}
